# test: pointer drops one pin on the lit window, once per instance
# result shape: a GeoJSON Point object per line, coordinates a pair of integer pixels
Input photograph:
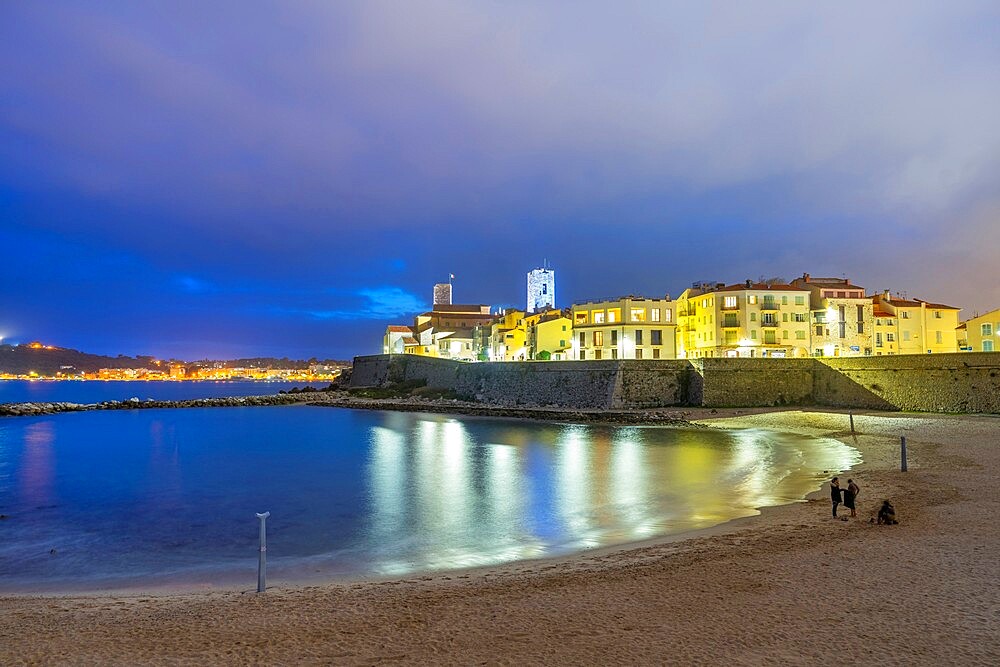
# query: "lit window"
{"type": "Point", "coordinates": [654, 315]}
{"type": "Point", "coordinates": [598, 338]}
{"type": "Point", "coordinates": [668, 315]}
{"type": "Point", "coordinates": [729, 302]}
{"type": "Point", "coordinates": [614, 315]}
{"type": "Point", "coordinates": [580, 318]}
{"type": "Point", "coordinates": [752, 299]}
{"type": "Point", "coordinates": [638, 314]}
{"type": "Point", "coordinates": [597, 317]}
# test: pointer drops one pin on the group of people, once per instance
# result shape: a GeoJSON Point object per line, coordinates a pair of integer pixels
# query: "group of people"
{"type": "Point", "coordinates": [848, 496]}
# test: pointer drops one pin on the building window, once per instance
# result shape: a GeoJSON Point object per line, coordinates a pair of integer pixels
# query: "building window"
{"type": "Point", "coordinates": [583, 339]}
{"type": "Point", "coordinates": [614, 336]}
{"type": "Point", "coordinates": [656, 353]}
{"type": "Point", "coordinates": [784, 317]}
{"type": "Point", "coordinates": [638, 314]}
{"type": "Point", "coordinates": [800, 301]}
{"type": "Point", "coordinates": [906, 336]}
{"type": "Point", "coordinates": [904, 315]}
{"type": "Point", "coordinates": [614, 315]}
{"type": "Point", "coordinates": [597, 353]}
{"type": "Point", "coordinates": [987, 329]}
{"type": "Point", "coordinates": [597, 316]}
{"type": "Point", "coordinates": [800, 317]}
{"type": "Point", "coordinates": [753, 316]}
{"type": "Point", "coordinates": [598, 338]}
{"type": "Point", "coordinates": [890, 338]}
{"type": "Point", "coordinates": [654, 315]}
{"type": "Point", "coordinates": [987, 346]}
{"type": "Point", "coordinates": [784, 301]}
{"type": "Point", "coordinates": [819, 329]}
{"type": "Point", "coordinates": [800, 335]}
{"type": "Point", "coordinates": [753, 334]}
{"type": "Point", "coordinates": [656, 337]}
{"type": "Point", "coordinates": [668, 315]}
{"type": "Point", "coordinates": [583, 355]}
{"type": "Point", "coordinates": [784, 333]}
{"type": "Point", "coordinates": [580, 318]}
{"type": "Point", "coordinates": [752, 299]}
{"type": "Point", "coordinates": [938, 337]}
{"type": "Point", "coordinates": [937, 314]}
{"type": "Point", "coordinates": [878, 339]}
{"type": "Point", "coordinates": [614, 353]}
{"type": "Point", "coordinates": [638, 353]}
{"type": "Point", "coordinates": [638, 336]}
{"type": "Point", "coordinates": [562, 343]}
{"type": "Point", "coordinates": [564, 327]}
{"type": "Point", "coordinates": [729, 302]}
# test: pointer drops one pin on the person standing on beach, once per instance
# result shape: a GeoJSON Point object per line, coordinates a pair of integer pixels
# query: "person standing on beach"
{"type": "Point", "coordinates": [850, 493]}
{"type": "Point", "coordinates": [835, 494]}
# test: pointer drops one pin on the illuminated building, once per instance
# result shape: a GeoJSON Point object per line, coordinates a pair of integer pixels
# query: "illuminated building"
{"type": "Point", "coordinates": [541, 290]}
{"type": "Point", "coordinates": [841, 319]}
{"type": "Point", "coordinates": [884, 330]}
{"type": "Point", "coordinates": [982, 332]}
{"type": "Point", "coordinates": [921, 327]}
{"type": "Point", "coordinates": [394, 340]}
{"type": "Point", "coordinates": [550, 335]}
{"type": "Point", "coordinates": [508, 337]}
{"type": "Point", "coordinates": [448, 331]}
{"type": "Point", "coordinates": [630, 327]}
{"type": "Point", "coordinates": [743, 320]}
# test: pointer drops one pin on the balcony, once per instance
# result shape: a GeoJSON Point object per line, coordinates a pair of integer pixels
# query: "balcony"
{"type": "Point", "coordinates": [730, 323]}
{"type": "Point", "coordinates": [735, 306]}
{"type": "Point", "coordinates": [769, 323]}
{"type": "Point", "coordinates": [768, 304]}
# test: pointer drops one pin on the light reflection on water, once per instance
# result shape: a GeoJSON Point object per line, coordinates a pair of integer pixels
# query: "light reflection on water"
{"type": "Point", "coordinates": [142, 497]}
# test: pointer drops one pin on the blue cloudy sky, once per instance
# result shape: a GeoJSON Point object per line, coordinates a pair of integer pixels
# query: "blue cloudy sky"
{"type": "Point", "coordinates": [232, 178]}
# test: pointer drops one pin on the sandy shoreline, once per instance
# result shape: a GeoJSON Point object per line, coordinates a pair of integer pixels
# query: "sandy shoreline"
{"type": "Point", "coordinates": [788, 586]}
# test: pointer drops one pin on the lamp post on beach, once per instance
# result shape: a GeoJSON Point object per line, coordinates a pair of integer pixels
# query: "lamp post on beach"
{"type": "Point", "coordinates": [262, 563]}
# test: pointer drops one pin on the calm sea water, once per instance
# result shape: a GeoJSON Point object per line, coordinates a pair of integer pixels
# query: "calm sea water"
{"type": "Point", "coordinates": [95, 391]}
{"type": "Point", "coordinates": [142, 498]}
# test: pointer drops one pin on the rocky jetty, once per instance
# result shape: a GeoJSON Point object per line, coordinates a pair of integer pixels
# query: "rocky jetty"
{"type": "Point", "coordinates": [135, 403]}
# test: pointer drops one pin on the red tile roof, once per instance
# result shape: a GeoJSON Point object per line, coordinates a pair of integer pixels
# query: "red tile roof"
{"type": "Point", "coordinates": [740, 287]}
{"type": "Point", "coordinates": [399, 328]}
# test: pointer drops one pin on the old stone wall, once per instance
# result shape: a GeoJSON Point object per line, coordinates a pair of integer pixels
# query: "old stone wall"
{"type": "Point", "coordinates": [755, 382]}
{"type": "Point", "coordinates": [961, 382]}
{"type": "Point", "coordinates": [968, 382]}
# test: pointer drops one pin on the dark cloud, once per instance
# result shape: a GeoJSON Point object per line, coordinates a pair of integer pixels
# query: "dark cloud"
{"type": "Point", "coordinates": [281, 169]}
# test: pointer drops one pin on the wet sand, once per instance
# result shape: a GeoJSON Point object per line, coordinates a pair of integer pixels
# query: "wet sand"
{"type": "Point", "coordinates": [791, 586]}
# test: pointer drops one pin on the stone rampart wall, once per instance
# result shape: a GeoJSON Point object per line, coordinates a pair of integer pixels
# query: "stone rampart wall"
{"type": "Point", "coordinates": [968, 382]}
{"type": "Point", "coordinates": [960, 382]}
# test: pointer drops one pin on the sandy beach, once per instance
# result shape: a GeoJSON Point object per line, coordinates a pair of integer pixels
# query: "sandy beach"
{"type": "Point", "coordinates": [791, 586]}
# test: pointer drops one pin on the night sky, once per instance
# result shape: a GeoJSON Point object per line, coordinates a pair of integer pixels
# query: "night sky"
{"type": "Point", "coordinates": [230, 179]}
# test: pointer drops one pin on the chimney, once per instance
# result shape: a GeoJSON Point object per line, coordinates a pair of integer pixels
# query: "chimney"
{"type": "Point", "coordinates": [749, 283]}
{"type": "Point", "coordinates": [719, 285]}
{"type": "Point", "coordinates": [805, 277]}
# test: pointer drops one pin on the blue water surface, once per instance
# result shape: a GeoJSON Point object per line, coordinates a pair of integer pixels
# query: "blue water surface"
{"type": "Point", "coordinates": [142, 498]}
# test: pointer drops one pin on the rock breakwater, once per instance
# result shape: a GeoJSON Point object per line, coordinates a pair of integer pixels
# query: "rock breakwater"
{"type": "Point", "coordinates": [135, 403]}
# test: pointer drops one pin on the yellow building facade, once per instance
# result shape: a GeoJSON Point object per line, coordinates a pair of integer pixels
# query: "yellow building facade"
{"type": "Point", "coordinates": [982, 333]}
{"type": "Point", "coordinates": [627, 328]}
{"type": "Point", "coordinates": [549, 335]}
{"type": "Point", "coordinates": [743, 320]}
{"type": "Point", "coordinates": [921, 327]}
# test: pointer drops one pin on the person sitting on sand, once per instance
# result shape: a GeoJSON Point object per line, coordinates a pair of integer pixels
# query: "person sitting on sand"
{"type": "Point", "coordinates": [835, 494]}
{"type": "Point", "coordinates": [850, 493]}
{"type": "Point", "coordinates": [887, 514]}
